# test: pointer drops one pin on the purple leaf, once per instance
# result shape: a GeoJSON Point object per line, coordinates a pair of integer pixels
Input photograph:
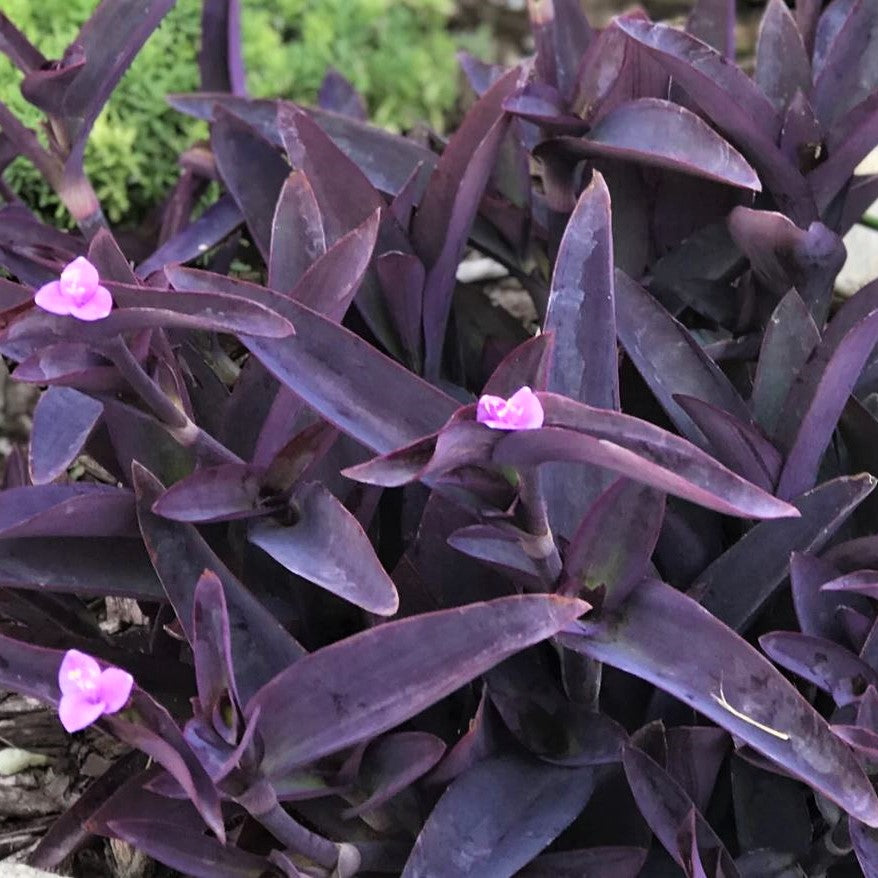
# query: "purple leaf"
{"type": "Point", "coordinates": [220, 62]}
{"type": "Point", "coordinates": [495, 546]}
{"type": "Point", "coordinates": [801, 138]}
{"type": "Point", "coordinates": [640, 451]}
{"type": "Point", "coordinates": [359, 687]}
{"type": "Point", "coordinates": [63, 421]}
{"type": "Point", "coordinates": [327, 546]}
{"type": "Point", "coordinates": [378, 402]}
{"type": "Point", "coordinates": [865, 842]}
{"type": "Point", "coordinates": [197, 855]}
{"type": "Point", "coordinates": [790, 337]}
{"type": "Point", "coordinates": [815, 403]}
{"type": "Point", "coordinates": [261, 648]}
{"type": "Point", "coordinates": [15, 45]}
{"type": "Point", "coordinates": [584, 361]}
{"type": "Point", "coordinates": [612, 548]}
{"type": "Point", "coordinates": [76, 510]}
{"type": "Point", "coordinates": [497, 816]}
{"type": "Point", "coordinates": [863, 582]}
{"type": "Point", "coordinates": [252, 171]}
{"type": "Point", "coordinates": [216, 223]}
{"type": "Point", "coordinates": [695, 755]}
{"type": "Point", "coordinates": [717, 670]}
{"type": "Point", "coordinates": [659, 133]}
{"type": "Point", "coordinates": [741, 447]}
{"type": "Point", "coordinates": [297, 239]}
{"type": "Point", "coordinates": [218, 493]}
{"type": "Point", "coordinates": [782, 64]}
{"type": "Point", "coordinates": [784, 255]}
{"type": "Point", "coordinates": [713, 22]}
{"type": "Point", "coordinates": [562, 34]}
{"type": "Point", "coordinates": [71, 364]}
{"type": "Point", "coordinates": [827, 665]}
{"type": "Point", "coordinates": [815, 609]}
{"type": "Point", "coordinates": [338, 96]}
{"type": "Point", "coordinates": [669, 359]}
{"type": "Point", "coordinates": [393, 763]}
{"type": "Point", "coordinates": [527, 365]}
{"type": "Point", "coordinates": [89, 568]}
{"type": "Point", "coordinates": [736, 586]}
{"type": "Point", "coordinates": [666, 807]}
{"type": "Point", "coordinates": [620, 862]}
{"type": "Point", "coordinates": [402, 279]}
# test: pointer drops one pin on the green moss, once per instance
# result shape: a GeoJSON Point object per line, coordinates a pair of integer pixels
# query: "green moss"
{"type": "Point", "coordinates": [396, 52]}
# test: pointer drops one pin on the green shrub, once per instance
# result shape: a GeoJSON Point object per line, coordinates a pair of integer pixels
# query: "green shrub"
{"type": "Point", "coordinates": [396, 52]}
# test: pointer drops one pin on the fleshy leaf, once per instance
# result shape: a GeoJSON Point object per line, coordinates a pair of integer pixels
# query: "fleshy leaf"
{"type": "Point", "coordinates": [218, 493]}
{"type": "Point", "coordinates": [63, 421]}
{"type": "Point", "coordinates": [327, 546]}
{"type": "Point", "coordinates": [349, 691]}
{"type": "Point", "coordinates": [716, 670]}
{"type": "Point", "coordinates": [497, 816]}
{"type": "Point", "coordinates": [782, 64]}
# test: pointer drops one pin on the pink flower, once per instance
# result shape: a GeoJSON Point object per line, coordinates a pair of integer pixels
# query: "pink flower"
{"type": "Point", "coordinates": [522, 411]}
{"type": "Point", "coordinates": [78, 292]}
{"type": "Point", "coordinates": [87, 692]}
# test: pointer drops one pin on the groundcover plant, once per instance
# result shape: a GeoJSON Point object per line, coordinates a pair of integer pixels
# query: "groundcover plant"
{"type": "Point", "coordinates": [430, 595]}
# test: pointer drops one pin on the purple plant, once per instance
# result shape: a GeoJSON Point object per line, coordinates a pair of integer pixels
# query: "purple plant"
{"type": "Point", "coordinates": [430, 596]}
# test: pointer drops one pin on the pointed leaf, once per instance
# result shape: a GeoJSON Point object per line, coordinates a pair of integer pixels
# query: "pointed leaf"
{"type": "Point", "coordinates": [669, 358]}
{"type": "Point", "coordinates": [713, 22]}
{"type": "Point", "coordinates": [717, 670]}
{"type": "Point", "coordinates": [497, 816]}
{"type": "Point", "coordinates": [782, 64]}
{"type": "Point", "coordinates": [561, 34]}
{"type": "Point", "coordinates": [736, 586]}
{"type": "Point", "coordinates": [261, 648]}
{"type": "Point", "coordinates": [220, 62]}
{"type": "Point", "coordinates": [327, 546]}
{"type": "Point", "coordinates": [863, 582]}
{"type": "Point", "coordinates": [656, 132]}
{"type": "Point", "coordinates": [815, 609]}
{"type": "Point", "coordinates": [349, 691]}
{"type": "Point", "coordinates": [63, 421]}
{"type": "Point", "coordinates": [217, 493]}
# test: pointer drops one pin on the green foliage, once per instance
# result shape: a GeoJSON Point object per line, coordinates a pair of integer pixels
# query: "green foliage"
{"type": "Point", "coordinates": [396, 52]}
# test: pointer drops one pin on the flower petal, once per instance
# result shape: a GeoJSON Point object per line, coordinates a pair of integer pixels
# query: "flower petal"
{"type": "Point", "coordinates": [79, 275]}
{"type": "Point", "coordinates": [490, 411]}
{"type": "Point", "coordinates": [50, 298]}
{"type": "Point", "coordinates": [526, 410]}
{"type": "Point", "coordinates": [77, 712]}
{"type": "Point", "coordinates": [96, 308]}
{"type": "Point", "coordinates": [78, 673]}
{"type": "Point", "coordinates": [115, 688]}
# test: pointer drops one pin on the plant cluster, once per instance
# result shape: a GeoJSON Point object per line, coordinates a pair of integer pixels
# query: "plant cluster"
{"type": "Point", "coordinates": [427, 595]}
{"type": "Point", "coordinates": [399, 55]}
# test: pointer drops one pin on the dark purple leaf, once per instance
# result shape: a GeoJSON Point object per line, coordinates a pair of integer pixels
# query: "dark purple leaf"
{"type": "Point", "coordinates": [562, 34]}
{"type": "Point", "coordinates": [495, 546]}
{"type": "Point", "coordinates": [863, 582]}
{"type": "Point", "coordinates": [497, 816]}
{"type": "Point", "coordinates": [613, 545]}
{"type": "Point", "coordinates": [216, 223]}
{"type": "Point", "coordinates": [817, 400]}
{"type": "Point", "coordinates": [736, 586]}
{"type": "Point", "coordinates": [599, 862]}
{"type": "Point", "coordinates": [219, 493]}
{"type": "Point", "coordinates": [713, 22]}
{"type": "Point", "coordinates": [393, 763]}
{"type": "Point", "coordinates": [75, 510]}
{"type": "Point", "coordinates": [584, 361]}
{"type": "Point", "coordinates": [261, 648]}
{"type": "Point", "coordinates": [784, 255]}
{"type": "Point", "coordinates": [782, 65]}
{"type": "Point", "coordinates": [15, 45]}
{"type": "Point", "coordinates": [724, 678]}
{"type": "Point", "coordinates": [63, 421]}
{"type": "Point", "coordinates": [695, 755]}
{"type": "Point", "coordinates": [366, 684]}
{"type": "Point", "coordinates": [197, 855]}
{"type": "Point", "coordinates": [542, 104]}
{"type": "Point", "coordinates": [343, 378]}
{"type": "Point", "coordinates": [327, 546]}
{"type": "Point", "coordinates": [655, 132]}
{"type": "Point", "coordinates": [220, 62]}
{"type": "Point", "coordinates": [790, 337]}
{"type": "Point", "coordinates": [827, 665]}
{"type": "Point", "coordinates": [402, 278]}
{"type": "Point", "coordinates": [865, 841]}
{"type": "Point", "coordinates": [740, 446]}
{"type": "Point", "coordinates": [801, 138]}
{"type": "Point", "coordinates": [338, 96]}
{"type": "Point", "coordinates": [815, 610]}
{"type": "Point", "coordinates": [669, 359]}
{"type": "Point", "coordinates": [666, 807]}
{"type": "Point", "coordinates": [527, 364]}
{"type": "Point", "coordinates": [297, 238]}
{"type": "Point", "coordinates": [253, 172]}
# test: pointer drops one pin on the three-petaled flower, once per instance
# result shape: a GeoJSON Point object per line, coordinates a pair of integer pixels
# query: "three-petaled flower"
{"type": "Point", "coordinates": [77, 292]}
{"type": "Point", "coordinates": [87, 692]}
{"type": "Point", "coordinates": [522, 411]}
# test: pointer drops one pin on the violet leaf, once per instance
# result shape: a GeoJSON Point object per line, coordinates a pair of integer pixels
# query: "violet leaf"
{"type": "Point", "coordinates": [782, 64]}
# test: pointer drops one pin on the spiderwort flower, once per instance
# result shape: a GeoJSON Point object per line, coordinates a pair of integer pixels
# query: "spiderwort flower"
{"type": "Point", "coordinates": [77, 292]}
{"type": "Point", "coordinates": [87, 692]}
{"type": "Point", "coordinates": [522, 411]}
